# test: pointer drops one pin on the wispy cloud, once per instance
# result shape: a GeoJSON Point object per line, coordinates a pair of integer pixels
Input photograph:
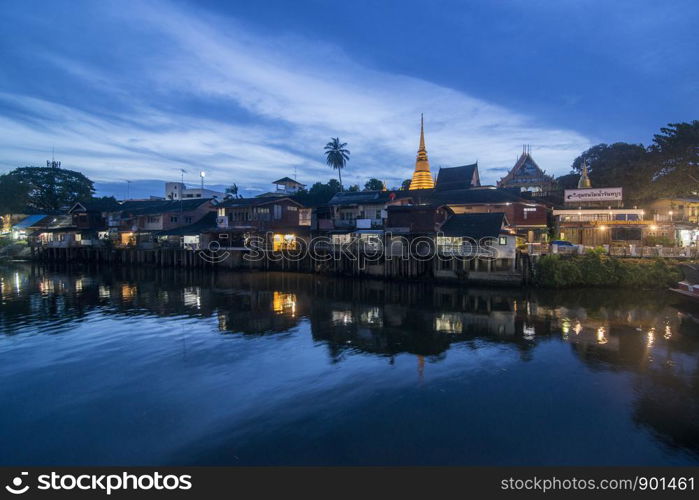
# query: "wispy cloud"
{"type": "Point", "coordinates": [207, 93]}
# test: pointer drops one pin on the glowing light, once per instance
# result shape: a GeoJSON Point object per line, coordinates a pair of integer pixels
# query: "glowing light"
{"type": "Point", "coordinates": [565, 327]}
{"type": "Point", "coordinates": [284, 303]}
{"type": "Point", "coordinates": [602, 228]}
{"type": "Point", "coordinates": [668, 332]}
{"type": "Point", "coordinates": [651, 337]}
{"type": "Point", "coordinates": [578, 328]}
{"type": "Point", "coordinates": [602, 335]}
{"type": "Point", "coordinates": [529, 332]}
{"type": "Point", "coordinates": [653, 227]}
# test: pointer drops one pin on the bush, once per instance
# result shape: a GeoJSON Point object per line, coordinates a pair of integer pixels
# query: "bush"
{"type": "Point", "coordinates": [596, 269]}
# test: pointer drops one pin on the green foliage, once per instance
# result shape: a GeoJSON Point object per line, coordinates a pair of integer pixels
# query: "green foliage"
{"type": "Point", "coordinates": [675, 151]}
{"type": "Point", "coordinates": [405, 185]}
{"type": "Point", "coordinates": [373, 184]}
{"type": "Point", "coordinates": [353, 188]}
{"type": "Point", "coordinates": [660, 240]}
{"type": "Point", "coordinates": [619, 164]}
{"type": "Point", "coordinates": [598, 270]}
{"type": "Point", "coordinates": [49, 189]}
{"type": "Point", "coordinates": [13, 195]}
{"type": "Point", "coordinates": [669, 166]}
{"type": "Point", "coordinates": [319, 193]}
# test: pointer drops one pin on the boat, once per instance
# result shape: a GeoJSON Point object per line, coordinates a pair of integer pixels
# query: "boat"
{"type": "Point", "coordinates": [689, 286]}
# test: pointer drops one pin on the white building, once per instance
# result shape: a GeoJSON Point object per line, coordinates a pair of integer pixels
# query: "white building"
{"type": "Point", "coordinates": [177, 190]}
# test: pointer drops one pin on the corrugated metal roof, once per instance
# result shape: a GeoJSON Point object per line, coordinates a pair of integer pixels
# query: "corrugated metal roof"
{"type": "Point", "coordinates": [29, 221]}
{"type": "Point", "coordinates": [476, 226]}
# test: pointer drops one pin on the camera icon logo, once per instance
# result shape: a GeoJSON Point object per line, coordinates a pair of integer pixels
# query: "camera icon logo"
{"type": "Point", "coordinates": [16, 487]}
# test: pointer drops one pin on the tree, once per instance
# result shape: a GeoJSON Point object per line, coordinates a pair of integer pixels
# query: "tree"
{"type": "Point", "coordinates": [337, 156]}
{"type": "Point", "coordinates": [373, 184]}
{"type": "Point", "coordinates": [619, 164]}
{"type": "Point", "coordinates": [13, 195]}
{"type": "Point", "coordinates": [353, 188]}
{"type": "Point", "coordinates": [405, 185]}
{"type": "Point", "coordinates": [319, 193]}
{"type": "Point", "coordinates": [52, 188]}
{"type": "Point", "coordinates": [232, 191]}
{"type": "Point", "coordinates": [675, 153]}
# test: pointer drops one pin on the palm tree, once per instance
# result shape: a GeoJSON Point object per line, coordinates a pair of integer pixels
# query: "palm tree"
{"type": "Point", "coordinates": [337, 156]}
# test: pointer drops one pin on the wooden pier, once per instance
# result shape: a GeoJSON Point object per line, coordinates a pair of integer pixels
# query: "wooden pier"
{"type": "Point", "coordinates": [234, 259]}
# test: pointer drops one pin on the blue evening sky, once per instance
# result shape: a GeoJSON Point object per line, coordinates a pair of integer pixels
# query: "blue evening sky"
{"type": "Point", "coordinates": [251, 91]}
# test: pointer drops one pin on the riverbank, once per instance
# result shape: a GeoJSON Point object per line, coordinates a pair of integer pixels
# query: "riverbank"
{"type": "Point", "coordinates": [595, 269]}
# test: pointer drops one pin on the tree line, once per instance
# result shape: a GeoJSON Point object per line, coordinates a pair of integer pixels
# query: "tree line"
{"type": "Point", "coordinates": [667, 167]}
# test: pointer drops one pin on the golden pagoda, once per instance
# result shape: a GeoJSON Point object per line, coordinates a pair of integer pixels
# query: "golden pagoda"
{"type": "Point", "coordinates": [584, 181]}
{"type": "Point", "coordinates": [422, 178]}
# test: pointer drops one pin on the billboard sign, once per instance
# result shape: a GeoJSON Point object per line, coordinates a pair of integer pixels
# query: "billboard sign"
{"type": "Point", "coordinates": [592, 194]}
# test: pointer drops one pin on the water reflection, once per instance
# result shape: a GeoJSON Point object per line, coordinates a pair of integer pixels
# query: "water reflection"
{"type": "Point", "coordinates": [640, 335]}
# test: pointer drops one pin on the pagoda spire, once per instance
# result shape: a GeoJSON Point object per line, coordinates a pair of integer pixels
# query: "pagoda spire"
{"type": "Point", "coordinates": [422, 178]}
{"type": "Point", "coordinates": [584, 181]}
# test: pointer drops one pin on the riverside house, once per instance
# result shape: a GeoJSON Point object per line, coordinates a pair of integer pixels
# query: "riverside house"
{"type": "Point", "coordinates": [482, 245]}
{"type": "Point", "coordinates": [143, 223]}
{"type": "Point", "coordinates": [281, 219]}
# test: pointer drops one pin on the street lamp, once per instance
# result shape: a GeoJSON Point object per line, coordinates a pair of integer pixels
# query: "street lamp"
{"type": "Point", "coordinates": [202, 174]}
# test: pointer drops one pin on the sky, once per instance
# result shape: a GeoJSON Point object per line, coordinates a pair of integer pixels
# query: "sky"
{"type": "Point", "coordinates": [251, 91]}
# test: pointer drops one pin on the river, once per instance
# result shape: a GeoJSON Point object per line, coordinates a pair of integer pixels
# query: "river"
{"type": "Point", "coordinates": [162, 366]}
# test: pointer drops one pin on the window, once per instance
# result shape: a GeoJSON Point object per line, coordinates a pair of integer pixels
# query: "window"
{"type": "Point", "coordinates": [378, 214]}
{"type": "Point", "coordinates": [188, 220]}
{"type": "Point", "coordinates": [262, 213]}
{"type": "Point", "coordinates": [626, 233]}
{"type": "Point", "coordinates": [277, 212]}
{"type": "Point", "coordinates": [502, 240]}
{"type": "Point", "coordinates": [153, 220]}
{"type": "Point", "coordinates": [173, 219]}
{"type": "Point", "coordinates": [292, 208]}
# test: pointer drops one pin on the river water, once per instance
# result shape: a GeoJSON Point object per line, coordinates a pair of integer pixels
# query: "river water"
{"type": "Point", "coordinates": [161, 366]}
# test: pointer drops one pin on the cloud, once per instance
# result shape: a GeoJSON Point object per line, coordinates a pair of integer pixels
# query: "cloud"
{"type": "Point", "coordinates": [207, 93]}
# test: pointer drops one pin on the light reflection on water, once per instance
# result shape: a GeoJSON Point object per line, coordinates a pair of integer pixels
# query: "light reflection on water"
{"type": "Point", "coordinates": [159, 366]}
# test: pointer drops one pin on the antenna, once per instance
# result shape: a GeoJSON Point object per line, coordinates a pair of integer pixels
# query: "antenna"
{"type": "Point", "coordinates": [182, 172]}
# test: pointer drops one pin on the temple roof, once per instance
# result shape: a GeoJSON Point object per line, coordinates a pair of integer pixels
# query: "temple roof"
{"type": "Point", "coordinates": [527, 169]}
{"type": "Point", "coordinates": [465, 176]}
